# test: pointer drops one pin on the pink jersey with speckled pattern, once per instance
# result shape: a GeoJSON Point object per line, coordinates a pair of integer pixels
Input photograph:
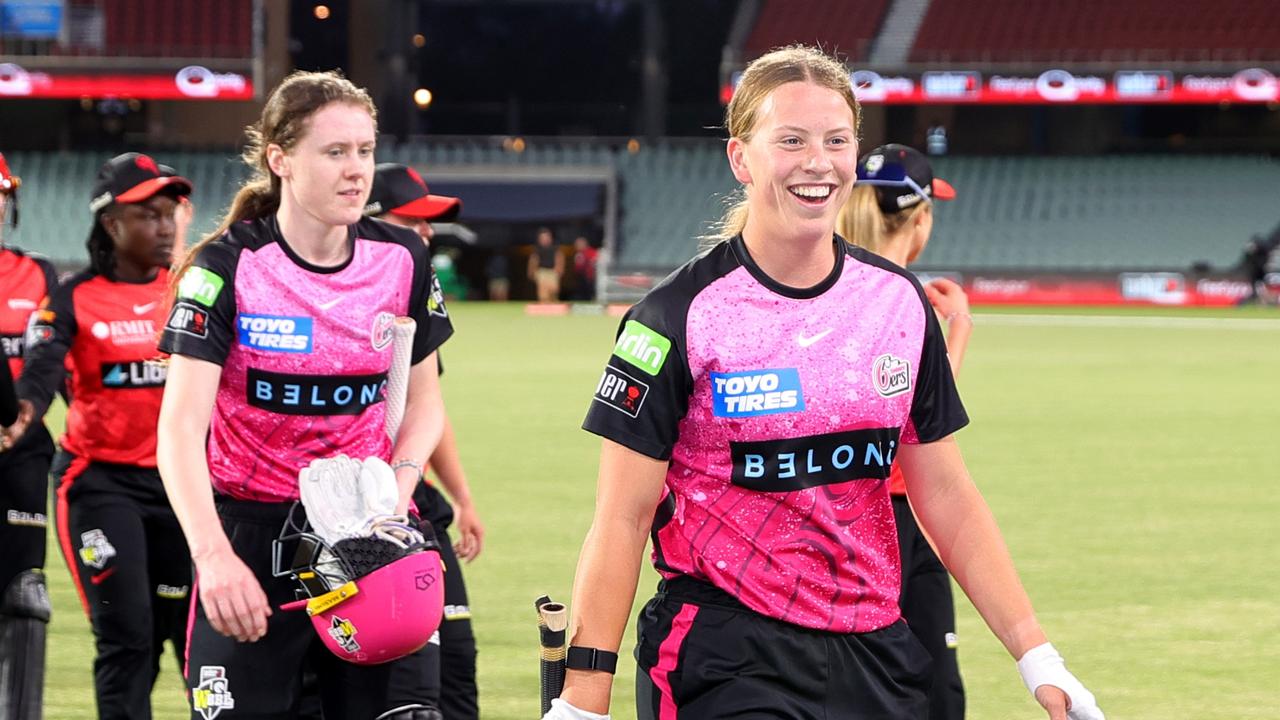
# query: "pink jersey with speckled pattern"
{"type": "Point", "coordinates": [305, 350]}
{"type": "Point", "coordinates": [780, 411]}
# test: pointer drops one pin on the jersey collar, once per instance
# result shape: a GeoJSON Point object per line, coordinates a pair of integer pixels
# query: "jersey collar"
{"type": "Point", "coordinates": [740, 251]}
{"type": "Point", "coordinates": [274, 228]}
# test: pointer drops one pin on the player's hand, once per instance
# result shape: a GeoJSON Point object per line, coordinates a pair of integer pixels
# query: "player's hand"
{"type": "Point", "coordinates": [232, 597]}
{"type": "Point", "coordinates": [1045, 674]}
{"type": "Point", "coordinates": [1053, 700]}
{"type": "Point", "coordinates": [470, 533]}
{"type": "Point", "coordinates": [9, 436]}
{"type": "Point", "coordinates": [947, 297]}
{"type": "Point", "coordinates": [561, 710]}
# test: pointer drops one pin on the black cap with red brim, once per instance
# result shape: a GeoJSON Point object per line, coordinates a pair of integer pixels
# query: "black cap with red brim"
{"type": "Point", "coordinates": [902, 177]}
{"type": "Point", "coordinates": [133, 178]}
{"type": "Point", "coordinates": [400, 190]}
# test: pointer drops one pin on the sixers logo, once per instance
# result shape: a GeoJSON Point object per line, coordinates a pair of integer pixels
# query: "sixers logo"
{"type": "Point", "coordinates": [383, 330]}
{"type": "Point", "coordinates": [890, 375]}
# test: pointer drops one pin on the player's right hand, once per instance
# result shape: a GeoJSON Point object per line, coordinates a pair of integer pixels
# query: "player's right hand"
{"type": "Point", "coordinates": [1064, 697]}
{"type": "Point", "coordinates": [232, 597]}
{"type": "Point", "coordinates": [947, 297]}
{"type": "Point", "coordinates": [561, 710]}
{"type": "Point", "coordinates": [470, 533]}
{"type": "Point", "coordinates": [9, 436]}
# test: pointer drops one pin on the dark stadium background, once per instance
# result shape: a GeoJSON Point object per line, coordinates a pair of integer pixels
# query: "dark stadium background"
{"type": "Point", "coordinates": [1105, 152]}
{"type": "Point", "coordinates": [601, 118]}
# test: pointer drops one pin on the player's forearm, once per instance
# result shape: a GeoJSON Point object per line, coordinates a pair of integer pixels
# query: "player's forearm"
{"type": "Point", "coordinates": [185, 413]}
{"type": "Point", "coordinates": [184, 469]}
{"type": "Point", "coordinates": [446, 465]}
{"type": "Point", "coordinates": [970, 545]}
{"type": "Point", "coordinates": [42, 376]}
{"type": "Point", "coordinates": [958, 330]}
{"type": "Point", "coordinates": [604, 589]}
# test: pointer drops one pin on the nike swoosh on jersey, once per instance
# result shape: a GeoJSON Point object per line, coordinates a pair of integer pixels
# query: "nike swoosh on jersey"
{"type": "Point", "coordinates": [805, 342]}
{"type": "Point", "coordinates": [21, 304]}
{"type": "Point", "coordinates": [144, 309]}
{"type": "Point", "coordinates": [330, 305]}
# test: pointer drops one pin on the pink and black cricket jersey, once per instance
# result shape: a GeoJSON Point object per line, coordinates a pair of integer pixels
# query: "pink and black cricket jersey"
{"type": "Point", "coordinates": [304, 350]}
{"type": "Point", "coordinates": [780, 411]}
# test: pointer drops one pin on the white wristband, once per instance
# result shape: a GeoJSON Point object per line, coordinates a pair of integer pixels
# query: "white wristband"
{"type": "Point", "coordinates": [561, 710]}
{"type": "Point", "coordinates": [1042, 665]}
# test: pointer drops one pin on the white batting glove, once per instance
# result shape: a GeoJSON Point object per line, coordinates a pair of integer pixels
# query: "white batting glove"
{"type": "Point", "coordinates": [378, 490]}
{"type": "Point", "coordinates": [330, 491]}
{"type": "Point", "coordinates": [1042, 665]}
{"type": "Point", "coordinates": [561, 710]}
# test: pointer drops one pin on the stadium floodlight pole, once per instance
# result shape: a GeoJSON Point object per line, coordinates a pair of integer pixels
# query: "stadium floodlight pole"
{"type": "Point", "coordinates": [553, 621]}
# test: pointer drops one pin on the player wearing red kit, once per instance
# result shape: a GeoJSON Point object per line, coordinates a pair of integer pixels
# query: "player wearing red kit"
{"type": "Point", "coordinates": [26, 281]}
{"type": "Point", "coordinates": [118, 535]}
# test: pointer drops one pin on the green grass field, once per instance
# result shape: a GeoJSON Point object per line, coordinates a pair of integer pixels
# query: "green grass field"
{"type": "Point", "coordinates": [1132, 465]}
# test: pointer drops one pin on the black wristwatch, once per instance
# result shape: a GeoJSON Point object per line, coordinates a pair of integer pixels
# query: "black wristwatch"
{"type": "Point", "coordinates": [585, 658]}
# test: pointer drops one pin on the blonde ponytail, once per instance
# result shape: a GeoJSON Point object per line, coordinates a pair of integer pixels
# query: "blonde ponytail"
{"type": "Point", "coordinates": [863, 223]}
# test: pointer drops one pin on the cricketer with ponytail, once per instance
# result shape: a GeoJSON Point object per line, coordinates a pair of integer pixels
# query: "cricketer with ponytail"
{"type": "Point", "coordinates": [281, 339]}
{"type": "Point", "coordinates": [751, 411]}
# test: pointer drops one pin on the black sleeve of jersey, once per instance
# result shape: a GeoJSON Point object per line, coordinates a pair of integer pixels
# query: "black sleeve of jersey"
{"type": "Point", "coordinates": [644, 391]}
{"type": "Point", "coordinates": [50, 275]}
{"type": "Point", "coordinates": [426, 305]}
{"type": "Point", "coordinates": [8, 395]}
{"type": "Point", "coordinates": [936, 410]}
{"type": "Point", "coordinates": [50, 333]}
{"type": "Point", "coordinates": [51, 284]}
{"type": "Point", "coordinates": [201, 322]}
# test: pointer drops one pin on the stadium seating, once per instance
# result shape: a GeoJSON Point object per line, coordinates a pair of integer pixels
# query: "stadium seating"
{"type": "Point", "coordinates": [670, 197]}
{"type": "Point", "coordinates": [670, 192]}
{"type": "Point", "coordinates": [1102, 213]}
{"type": "Point", "coordinates": [844, 27]}
{"type": "Point", "coordinates": [1016, 213]}
{"type": "Point", "coordinates": [1099, 31]}
{"type": "Point", "coordinates": [56, 188]}
{"type": "Point", "coordinates": [151, 28]}
{"type": "Point", "coordinates": [189, 28]}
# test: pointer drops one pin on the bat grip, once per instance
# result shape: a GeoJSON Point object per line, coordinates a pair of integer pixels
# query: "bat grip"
{"type": "Point", "coordinates": [553, 622]}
